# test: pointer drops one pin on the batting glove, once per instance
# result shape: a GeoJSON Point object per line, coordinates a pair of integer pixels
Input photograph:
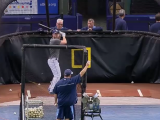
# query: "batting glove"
{"type": "Point", "coordinates": [63, 34]}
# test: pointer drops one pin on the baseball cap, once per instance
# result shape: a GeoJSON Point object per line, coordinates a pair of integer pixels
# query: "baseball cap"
{"type": "Point", "coordinates": [55, 31]}
{"type": "Point", "coordinates": [68, 72]}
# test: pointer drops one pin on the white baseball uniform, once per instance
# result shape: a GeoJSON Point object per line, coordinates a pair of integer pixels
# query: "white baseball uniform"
{"type": "Point", "coordinates": [54, 64]}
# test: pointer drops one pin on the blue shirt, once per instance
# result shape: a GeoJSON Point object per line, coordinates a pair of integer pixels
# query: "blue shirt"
{"type": "Point", "coordinates": [66, 90]}
{"type": "Point", "coordinates": [95, 28]}
{"type": "Point", "coordinates": [120, 24]}
{"type": "Point", "coordinates": [155, 28]}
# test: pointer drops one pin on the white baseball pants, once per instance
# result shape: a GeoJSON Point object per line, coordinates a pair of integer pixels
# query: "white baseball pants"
{"type": "Point", "coordinates": [55, 68]}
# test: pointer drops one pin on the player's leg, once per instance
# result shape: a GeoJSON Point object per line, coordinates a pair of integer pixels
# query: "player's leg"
{"type": "Point", "coordinates": [55, 68]}
{"type": "Point", "coordinates": [73, 111]}
{"type": "Point", "coordinates": [69, 113]}
{"type": "Point", "coordinates": [60, 113]}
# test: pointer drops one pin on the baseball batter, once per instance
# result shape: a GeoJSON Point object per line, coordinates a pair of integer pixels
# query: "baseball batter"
{"type": "Point", "coordinates": [54, 57]}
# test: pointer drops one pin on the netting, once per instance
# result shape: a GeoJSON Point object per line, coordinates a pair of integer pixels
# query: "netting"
{"type": "Point", "coordinates": [37, 76]}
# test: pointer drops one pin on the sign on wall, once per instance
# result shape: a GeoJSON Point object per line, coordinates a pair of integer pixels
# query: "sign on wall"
{"type": "Point", "coordinates": [31, 7]}
{"type": "Point", "coordinates": [52, 4]}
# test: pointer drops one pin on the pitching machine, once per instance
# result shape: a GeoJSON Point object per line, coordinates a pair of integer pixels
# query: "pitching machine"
{"type": "Point", "coordinates": [91, 106]}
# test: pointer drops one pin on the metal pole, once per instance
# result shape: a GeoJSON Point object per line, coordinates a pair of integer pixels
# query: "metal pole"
{"type": "Point", "coordinates": [47, 13]}
{"type": "Point", "coordinates": [84, 81]}
{"type": "Point", "coordinates": [149, 25]}
{"type": "Point", "coordinates": [85, 75]}
{"type": "Point", "coordinates": [107, 13]}
{"type": "Point", "coordinates": [82, 88]}
{"type": "Point", "coordinates": [114, 14]}
{"type": "Point", "coordinates": [22, 85]}
{"type": "Point", "coordinates": [62, 11]}
{"type": "Point", "coordinates": [77, 21]}
{"type": "Point", "coordinates": [74, 7]}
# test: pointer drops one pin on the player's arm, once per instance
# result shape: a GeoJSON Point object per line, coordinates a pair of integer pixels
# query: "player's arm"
{"type": "Point", "coordinates": [55, 95]}
{"type": "Point", "coordinates": [97, 29]}
{"type": "Point", "coordinates": [64, 41]}
{"type": "Point", "coordinates": [55, 99]}
{"type": "Point", "coordinates": [85, 69]}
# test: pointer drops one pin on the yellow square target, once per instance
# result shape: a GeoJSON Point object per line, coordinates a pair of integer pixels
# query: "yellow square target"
{"type": "Point", "coordinates": [73, 58]}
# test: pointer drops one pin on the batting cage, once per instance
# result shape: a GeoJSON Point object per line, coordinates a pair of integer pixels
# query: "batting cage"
{"type": "Point", "coordinates": [36, 102]}
{"type": "Point", "coordinates": [116, 57]}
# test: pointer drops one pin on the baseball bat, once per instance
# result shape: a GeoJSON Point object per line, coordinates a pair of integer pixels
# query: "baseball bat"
{"type": "Point", "coordinates": [44, 26]}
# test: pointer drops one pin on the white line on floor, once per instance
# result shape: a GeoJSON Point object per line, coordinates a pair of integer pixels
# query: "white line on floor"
{"type": "Point", "coordinates": [29, 93]}
{"type": "Point", "coordinates": [140, 93]}
{"type": "Point", "coordinates": [99, 93]}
